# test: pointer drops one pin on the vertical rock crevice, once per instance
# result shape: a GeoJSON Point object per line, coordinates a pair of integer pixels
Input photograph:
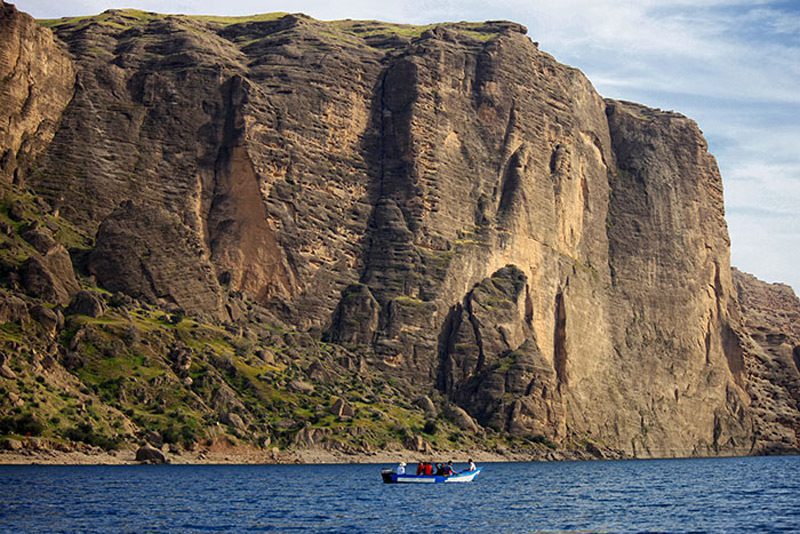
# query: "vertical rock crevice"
{"type": "Point", "coordinates": [560, 340]}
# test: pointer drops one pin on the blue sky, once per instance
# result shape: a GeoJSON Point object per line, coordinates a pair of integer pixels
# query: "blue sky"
{"type": "Point", "coordinates": [733, 66]}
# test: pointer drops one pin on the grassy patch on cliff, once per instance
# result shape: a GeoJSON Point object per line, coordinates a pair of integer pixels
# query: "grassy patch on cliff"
{"type": "Point", "coordinates": [366, 29]}
{"type": "Point", "coordinates": [20, 210]}
{"type": "Point", "coordinates": [226, 21]}
{"type": "Point", "coordinates": [117, 18]}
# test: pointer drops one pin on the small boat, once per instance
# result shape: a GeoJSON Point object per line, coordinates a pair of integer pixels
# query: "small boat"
{"type": "Point", "coordinates": [390, 477]}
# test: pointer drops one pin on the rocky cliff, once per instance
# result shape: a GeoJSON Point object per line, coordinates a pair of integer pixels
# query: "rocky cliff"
{"type": "Point", "coordinates": [772, 316]}
{"type": "Point", "coordinates": [37, 83]}
{"type": "Point", "coordinates": [440, 213]}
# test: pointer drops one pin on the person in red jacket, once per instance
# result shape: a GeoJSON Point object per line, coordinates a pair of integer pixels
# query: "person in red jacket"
{"type": "Point", "coordinates": [428, 468]}
{"type": "Point", "coordinates": [421, 468]}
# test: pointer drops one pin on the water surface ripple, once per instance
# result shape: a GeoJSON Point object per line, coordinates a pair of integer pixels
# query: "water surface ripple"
{"type": "Point", "coordinates": [704, 495]}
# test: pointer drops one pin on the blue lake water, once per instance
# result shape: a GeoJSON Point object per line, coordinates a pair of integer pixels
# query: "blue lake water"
{"type": "Point", "coordinates": [705, 495]}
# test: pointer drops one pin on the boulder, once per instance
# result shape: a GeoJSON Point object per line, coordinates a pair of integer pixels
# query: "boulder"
{"type": "Point", "coordinates": [16, 400]}
{"type": "Point", "coordinates": [39, 237]}
{"type": "Point", "coordinates": [460, 418]}
{"type": "Point", "coordinates": [12, 309]}
{"type": "Point", "coordinates": [7, 372]}
{"type": "Point", "coordinates": [154, 438]}
{"type": "Point", "coordinates": [224, 400]}
{"type": "Point", "coordinates": [425, 404]}
{"type": "Point", "coordinates": [181, 358]}
{"type": "Point", "coordinates": [10, 444]}
{"type": "Point", "coordinates": [317, 372]}
{"type": "Point", "coordinates": [17, 211]}
{"type": "Point", "coordinates": [417, 443]}
{"type": "Point", "coordinates": [50, 277]}
{"type": "Point", "coordinates": [301, 387]}
{"type": "Point", "coordinates": [234, 421]}
{"type": "Point", "coordinates": [86, 303]}
{"type": "Point", "coordinates": [149, 454]}
{"type": "Point", "coordinates": [266, 356]}
{"type": "Point", "coordinates": [342, 408]}
{"type": "Point", "coordinates": [50, 320]}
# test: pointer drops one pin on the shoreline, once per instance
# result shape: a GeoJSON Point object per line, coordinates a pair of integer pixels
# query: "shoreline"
{"type": "Point", "coordinates": [256, 457]}
{"type": "Point", "coordinates": [253, 456]}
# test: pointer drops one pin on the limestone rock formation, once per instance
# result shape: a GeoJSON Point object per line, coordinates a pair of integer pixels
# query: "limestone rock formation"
{"type": "Point", "coordinates": [148, 253]}
{"type": "Point", "coordinates": [441, 207]}
{"type": "Point", "coordinates": [36, 82]}
{"type": "Point", "coordinates": [672, 295]}
{"type": "Point", "coordinates": [772, 318]}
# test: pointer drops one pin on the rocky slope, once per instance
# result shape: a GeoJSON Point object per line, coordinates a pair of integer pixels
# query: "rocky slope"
{"type": "Point", "coordinates": [442, 214]}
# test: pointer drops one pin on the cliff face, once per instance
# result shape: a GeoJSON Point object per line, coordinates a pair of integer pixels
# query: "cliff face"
{"type": "Point", "coordinates": [36, 82]}
{"type": "Point", "coordinates": [772, 317]}
{"type": "Point", "coordinates": [674, 307]}
{"type": "Point", "coordinates": [455, 209]}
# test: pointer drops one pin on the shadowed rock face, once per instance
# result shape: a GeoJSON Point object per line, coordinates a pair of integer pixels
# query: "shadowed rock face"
{"type": "Point", "coordinates": [452, 204]}
{"type": "Point", "coordinates": [492, 364]}
{"type": "Point", "coordinates": [148, 254]}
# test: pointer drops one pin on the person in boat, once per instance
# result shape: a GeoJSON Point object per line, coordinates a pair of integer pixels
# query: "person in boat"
{"type": "Point", "coordinates": [401, 468]}
{"type": "Point", "coordinates": [421, 468]}
{"type": "Point", "coordinates": [448, 470]}
{"type": "Point", "coordinates": [472, 466]}
{"type": "Point", "coordinates": [428, 469]}
{"type": "Point", "coordinates": [439, 470]}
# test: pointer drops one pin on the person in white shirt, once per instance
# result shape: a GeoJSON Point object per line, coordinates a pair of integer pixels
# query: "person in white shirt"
{"type": "Point", "coordinates": [472, 466]}
{"type": "Point", "coordinates": [401, 468]}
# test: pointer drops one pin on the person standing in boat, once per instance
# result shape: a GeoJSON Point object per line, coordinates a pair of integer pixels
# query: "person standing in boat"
{"type": "Point", "coordinates": [472, 466]}
{"type": "Point", "coordinates": [401, 468]}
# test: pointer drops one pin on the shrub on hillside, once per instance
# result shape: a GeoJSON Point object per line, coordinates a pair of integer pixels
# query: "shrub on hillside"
{"type": "Point", "coordinates": [84, 433]}
{"type": "Point", "coordinates": [24, 425]}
